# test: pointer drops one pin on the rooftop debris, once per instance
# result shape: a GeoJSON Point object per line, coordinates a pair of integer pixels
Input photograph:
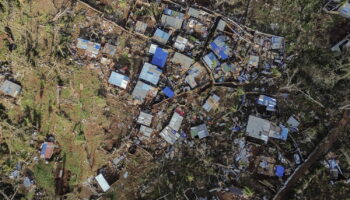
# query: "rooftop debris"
{"type": "Point", "coordinates": [145, 119]}
{"type": "Point", "coordinates": [109, 49]}
{"type": "Point", "coordinates": [220, 48]}
{"type": "Point", "coordinates": [212, 103]}
{"type": "Point", "coordinates": [194, 75]}
{"type": "Point", "coordinates": [267, 101]}
{"type": "Point", "coordinates": [90, 49]}
{"type": "Point", "coordinates": [338, 7]}
{"type": "Point", "coordinates": [293, 123]}
{"type": "Point", "coordinates": [146, 131]}
{"type": "Point", "coordinates": [143, 90]}
{"type": "Point", "coordinates": [211, 61]}
{"type": "Point", "coordinates": [342, 45]}
{"type": "Point", "coordinates": [200, 131]}
{"type": "Point", "coordinates": [169, 135]}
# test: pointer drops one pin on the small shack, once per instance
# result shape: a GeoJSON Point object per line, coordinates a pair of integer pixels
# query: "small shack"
{"type": "Point", "coordinates": [10, 88]}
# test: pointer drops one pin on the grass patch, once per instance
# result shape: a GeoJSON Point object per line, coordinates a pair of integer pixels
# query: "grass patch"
{"type": "Point", "coordinates": [44, 176]}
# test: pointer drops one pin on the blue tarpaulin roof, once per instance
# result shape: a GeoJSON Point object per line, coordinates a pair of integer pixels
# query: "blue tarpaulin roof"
{"type": "Point", "coordinates": [279, 171]}
{"type": "Point", "coordinates": [168, 92]}
{"type": "Point", "coordinates": [220, 48]}
{"type": "Point", "coordinates": [284, 132]}
{"type": "Point", "coordinates": [160, 57]}
{"type": "Point", "coordinates": [43, 149]}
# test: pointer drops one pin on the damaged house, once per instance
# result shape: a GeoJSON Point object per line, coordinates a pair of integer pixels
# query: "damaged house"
{"type": "Point", "coordinates": [262, 129]}
{"type": "Point", "coordinates": [200, 131]}
{"type": "Point", "coordinates": [88, 48]}
{"type": "Point", "coordinates": [171, 132]}
{"type": "Point", "coordinates": [143, 90]}
{"type": "Point", "coordinates": [172, 19]}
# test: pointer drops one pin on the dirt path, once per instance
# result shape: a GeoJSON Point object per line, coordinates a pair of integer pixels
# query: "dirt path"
{"type": "Point", "coordinates": [322, 148]}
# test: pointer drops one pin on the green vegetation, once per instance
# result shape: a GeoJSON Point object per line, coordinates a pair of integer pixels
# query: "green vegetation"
{"type": "Point", "coordinates": [44, 176]}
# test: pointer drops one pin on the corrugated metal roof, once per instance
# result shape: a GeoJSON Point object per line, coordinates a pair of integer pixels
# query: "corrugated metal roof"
{"type": "Point", "coordinates": [91, 48]}
{"type": "Point", "coordinates": [102, 182]}
{"type": "Point", "coordinates": [169, 135]}
{"type": "Point", "coordinates": [258, 128]}
{"type": "Point", "coordinates": [142, 89]}
{"type": "Point", "coordinates": [201, 131]}
{"type": "Point", "coordinates": [176, 121]}
{"type": "Point", "coordinates": [171, 21]}
{"type": "Point", "coordinates": [119, 80]}
{"type": "Point", "coordinates": [150, 73]}
{"type": "Point", "coordinates": [145, 119]}
{"type": "Point", "coordinates": [180, 43]}
{"type": "Point", "coordinates": [140, 27]}
{"type": "Point", "coordinates": [10, 88]}
{"type": "Point", "coordinates": [146, 131]}
{"type": "Point", "coordinates": [161, 36]}
{"type": "Point", "coordinates": [211, 61]}
{"type": "Point", "coordinates": [47, 149]}
{"type": "Point", "coordinates": [183, 60]}
{"type": "Point", "coordinates": [220, 48]}
{"type": "Point", "coordinates": [221, 25]}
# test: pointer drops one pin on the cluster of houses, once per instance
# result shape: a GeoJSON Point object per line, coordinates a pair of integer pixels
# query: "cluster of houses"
{"type": "Point", "coordinates": [188, 48]}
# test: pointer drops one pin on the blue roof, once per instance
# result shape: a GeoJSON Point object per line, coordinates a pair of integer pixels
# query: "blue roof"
{"type": "Point", "coordinates": [220, 48]}
{"type": "Point", "coordinates": [284, 132]}
{"type": "Point", "coordinates": [168, 92]}
{"type": "Point", "coordinates": [160, 57]}
{"type": "Point", "coordinates": [43, 149]}
{"type": "Point", "coordinates": [118, 80]}
{"type": "Point", "coordinates": [269, 102]}
{"type": "Point", "coordinates": [279, 171]}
